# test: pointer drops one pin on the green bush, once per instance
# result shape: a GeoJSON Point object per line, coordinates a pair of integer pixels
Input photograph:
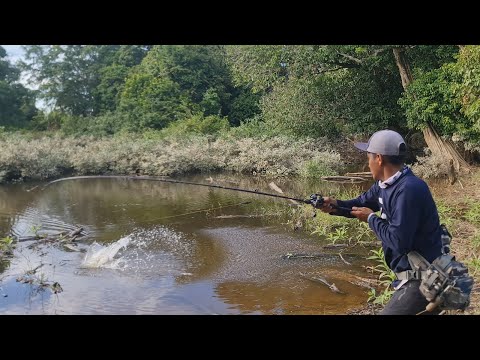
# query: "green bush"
{"type": "Point", "coordinates": [198, 124]}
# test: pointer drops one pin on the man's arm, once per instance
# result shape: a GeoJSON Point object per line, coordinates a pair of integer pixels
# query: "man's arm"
{"type": "Point", "coordinates": [368, 199]}
{"type": "Point", "coordinates": [399, 231]}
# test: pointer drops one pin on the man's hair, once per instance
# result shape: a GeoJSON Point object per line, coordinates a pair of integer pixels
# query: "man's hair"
{"type": "Point", "coordinates": [396, 159]}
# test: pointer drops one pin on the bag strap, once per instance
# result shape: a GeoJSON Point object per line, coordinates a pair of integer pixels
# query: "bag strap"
{"type": "Point", "coordinates": [419, 266]}
{"type": "Point", "coordinates": [411, 274]}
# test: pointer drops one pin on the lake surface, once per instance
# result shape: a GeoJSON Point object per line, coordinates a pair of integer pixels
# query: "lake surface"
{"type": "Point", "coordinates": [161, 248]}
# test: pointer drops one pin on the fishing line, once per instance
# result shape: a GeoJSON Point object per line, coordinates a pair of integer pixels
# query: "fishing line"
{"type": "Point", "coordinates": [315, 199]}
{"type": "Point", "coordinates": [198, 211]}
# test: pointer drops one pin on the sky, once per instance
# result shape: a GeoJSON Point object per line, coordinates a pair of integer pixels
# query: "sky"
{"type": "Point", "coordinates": [14, 52]}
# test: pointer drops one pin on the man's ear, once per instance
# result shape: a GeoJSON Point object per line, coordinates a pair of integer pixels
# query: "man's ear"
{"type": "Point", "coordinates": [379, 159]}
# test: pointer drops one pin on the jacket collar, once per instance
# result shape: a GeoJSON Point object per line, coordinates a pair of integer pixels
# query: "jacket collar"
{"type": "Point", "coordinates": [392, 179]}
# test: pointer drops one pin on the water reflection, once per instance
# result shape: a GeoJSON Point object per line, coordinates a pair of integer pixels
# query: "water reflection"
{"type": "Point", "coordinates": [283, 298]}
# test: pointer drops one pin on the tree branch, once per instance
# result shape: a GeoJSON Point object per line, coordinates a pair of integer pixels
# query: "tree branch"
{"type": "Point", "coordinates": [349, 57]}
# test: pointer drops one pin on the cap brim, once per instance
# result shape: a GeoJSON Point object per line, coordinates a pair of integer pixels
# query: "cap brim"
{"type": "Point", "coordinates": [361, 146]}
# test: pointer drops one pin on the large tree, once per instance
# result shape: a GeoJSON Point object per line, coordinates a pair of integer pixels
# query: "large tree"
{"type": "Point", "coordinates": [322, 90]}
{"type": "Point", "coordinates": [177, 81]}
{"type": "Point", "coordinates": [81, 80]}
{"type": "Point", "coordinates": [17, 103]}
{"type": "Point", "coordinates": [359, 85]}
{"type": "Point", "coordinates": [442, 148]}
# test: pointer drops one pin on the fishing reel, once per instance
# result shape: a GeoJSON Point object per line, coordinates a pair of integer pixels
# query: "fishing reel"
{"type": "Point", "coordinates": [316, 200]}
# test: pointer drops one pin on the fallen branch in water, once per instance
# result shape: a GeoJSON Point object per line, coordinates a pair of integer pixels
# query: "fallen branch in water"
{"type": "Point", "coordinates": [324, 282]}
{"type": "Point", "coordinates": [64, 236]}
{"type": "Point", "coordinates": [345, 261]}
{"type": "Point", "coordinates": [303, 256]}
{"type": "Point", "coordinates": [367, 176]}
{"type": "Point", "coordinates": [290, 256]}
{"type": "Point", "coordinates": [361, 174]}
{"type": "Point", "coordinates": [344, 179]}
{"type": "Point", "coordinates": [31, 278]}
{"type": "Point", "coordinates": [334, 246]}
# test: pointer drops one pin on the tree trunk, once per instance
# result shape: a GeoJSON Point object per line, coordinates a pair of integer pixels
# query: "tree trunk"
{"type": "Point", "coordinates": [438, 146]}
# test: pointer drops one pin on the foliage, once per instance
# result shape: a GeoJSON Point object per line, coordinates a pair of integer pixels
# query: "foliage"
{"type": "Point", "coordinates": [197, 124]}
{"type": "Point", "coordinates": [17, 103]}
{"type": "Point", "coordinates": [338, 234]}
{"type": "Point", "coordinates": [294, 109]}
{"type": "Point", "coordinates": [81, 80]}
{"type": "Point", "coordinates": [469, 96]}
{"type": "Point", "coordinates": [6, 244]}
{"type": "Point", "coordinates": [152, 102]}
{"type": "Point", "coordinates": [385, 275]}
{"type": "Point", "coordinates": [424, 58]}
{"type": "Point", "coordinates": [447, 97]}
{"type": "Point", "coordinates": [173, 82]}
{"type": "Point", "coordinates": [317, 168]}
{"type": "Point", "coordinates": [254, 128]}
{"type": "Point", "coordinates": [322, 90]}
{"type": "Point", "coordinates": [260, 66]}
{"type": "Point", "coordinates": [431, 99]}
{"type": "Point", "coordinates": [468, 66]}
{"type": "Point", "coordinates": [245, 106]}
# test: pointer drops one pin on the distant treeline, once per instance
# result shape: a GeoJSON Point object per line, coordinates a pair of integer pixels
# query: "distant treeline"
{"type": "Point", "coordinates": [337, 91]}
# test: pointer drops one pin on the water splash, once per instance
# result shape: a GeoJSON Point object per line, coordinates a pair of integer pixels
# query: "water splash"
{"type": "Point", "coordinates": [150, 251]}
{"type": "Point", "coordinates": [103, 256]}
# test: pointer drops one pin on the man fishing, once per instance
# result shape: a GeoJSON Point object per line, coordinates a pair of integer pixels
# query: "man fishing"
{"type": "Point", "coordinates": [408, 217]}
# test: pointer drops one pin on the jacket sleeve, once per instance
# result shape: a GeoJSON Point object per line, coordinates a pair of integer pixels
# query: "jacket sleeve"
{"type": "Point", "coordinates": [368, 199]}
{"type": "Point", "coordinates": [399, 231]}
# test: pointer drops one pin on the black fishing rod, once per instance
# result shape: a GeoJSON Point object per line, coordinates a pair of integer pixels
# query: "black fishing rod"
{"type": "Point", "coordinates": [315, 199]}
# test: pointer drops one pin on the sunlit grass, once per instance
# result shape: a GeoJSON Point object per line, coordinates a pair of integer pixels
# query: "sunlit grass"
{"type": "Point", "coordinates": [472, 215]}
{"type": "Point", "coordinates": [445, 213]}
{"type": "Point", "coordinates": [474, 264]}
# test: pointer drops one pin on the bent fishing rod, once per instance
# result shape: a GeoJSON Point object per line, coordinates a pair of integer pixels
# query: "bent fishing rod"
{"type": "Point", "coordinates": [316, 200]}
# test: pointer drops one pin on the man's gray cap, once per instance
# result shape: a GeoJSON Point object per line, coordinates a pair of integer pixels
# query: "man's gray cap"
{"type": "Point", "coordinates": [384, 142]}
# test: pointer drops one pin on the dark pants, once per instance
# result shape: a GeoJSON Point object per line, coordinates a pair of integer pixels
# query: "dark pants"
{"type": "Point", "coordinates": [408, 300]}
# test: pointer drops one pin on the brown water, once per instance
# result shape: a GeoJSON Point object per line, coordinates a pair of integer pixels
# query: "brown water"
{"type": "Point", "coordinates": [147, 249]}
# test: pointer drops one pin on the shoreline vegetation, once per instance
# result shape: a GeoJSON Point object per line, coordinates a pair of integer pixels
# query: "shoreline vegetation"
{"type": "Point", "coordinates": [26, 157]}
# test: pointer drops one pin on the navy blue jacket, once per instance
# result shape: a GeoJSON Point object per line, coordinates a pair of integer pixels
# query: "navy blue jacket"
{"type": "Point", "coordinates": [408, 221]}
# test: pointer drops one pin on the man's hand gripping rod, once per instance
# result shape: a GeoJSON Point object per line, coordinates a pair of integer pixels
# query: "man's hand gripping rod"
{"type": "Point", "coordinates": [317, 201]}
